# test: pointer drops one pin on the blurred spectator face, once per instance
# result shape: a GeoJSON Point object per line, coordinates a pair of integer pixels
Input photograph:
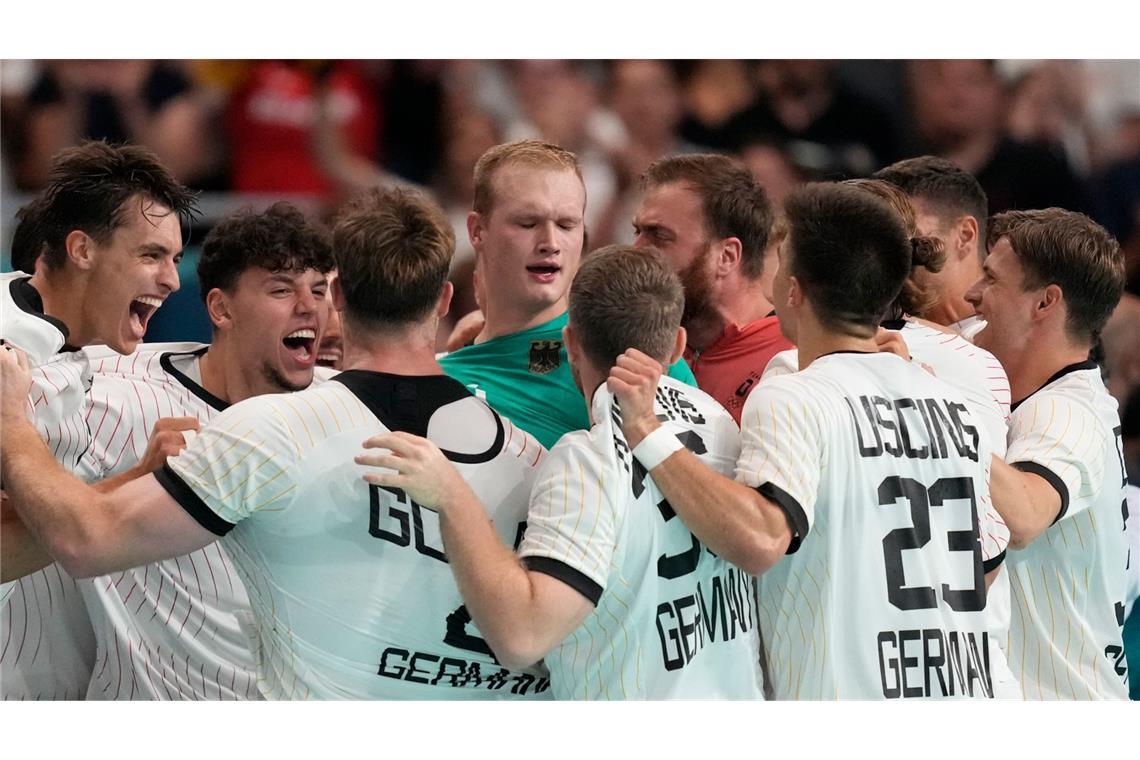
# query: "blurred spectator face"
{"type": "Point", "coordinates": [470, 132]}
{"type": "Point", "coordinates": [954, 100]}
{"type": "Point", "coordinates": [672, 220]}
{"type": "Point", "coordinates": [793, 78]}
{"type": "Point", "coordinates": [556, 98]}
{"type": "Point", "coordinates": [529, 244]}
{"type": "Point", "coordinates": [645, 97]}
{"type": "Point", "coordinates": [772, 169]}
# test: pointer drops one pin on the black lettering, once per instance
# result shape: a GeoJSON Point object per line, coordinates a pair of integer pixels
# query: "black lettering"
{"type": "Point", "coordinates": [887, 424]}
{"type": "Point", "coordinates": [938, 423]}
{"type": "Point", "coordinates": [904, 430]}
{"type": "Point", "coordinates": [718, 605]}
{"type": "Point", "coordinates": [955, 657]}
{"type": "Point", "coordinates": [452, 669]}
{"type": "Point", "coordinates": [934, 662]}
{"type": "Point", "coordinates": [688, 628]}
{"type": "Point", "coordinates": [413, 671]}
{"type": "Point", "coordinates": [523, 681]}
{"type": "Point", "coordinates": [906, 663]}
{"type": "Point", "coordinates": [866, 450]}
{"type": "Point", "coordinates": [891, 691]}
{"type": "Point", "coordinates": [388, 671]}
{"type": "Point", "coordinates": [968, 448]}
{"type": "Point", "coordinates": [670, 655]}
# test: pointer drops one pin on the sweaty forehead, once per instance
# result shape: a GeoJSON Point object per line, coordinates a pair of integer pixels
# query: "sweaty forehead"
{"type": "Point", "coordinates": [674, 205]}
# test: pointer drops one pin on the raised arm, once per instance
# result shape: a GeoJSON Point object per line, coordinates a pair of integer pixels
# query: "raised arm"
{"type": "Point", "coordinates": [737, 522]}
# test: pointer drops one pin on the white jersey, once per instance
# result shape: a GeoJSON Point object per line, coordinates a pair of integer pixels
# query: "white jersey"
{"type": "Point", "coordinates": [349, 584]}
{"type": "Point", "coordinates": [980, 378]}
{"type": "Point", "coordinates": [671, 619]}
{"type": "Point", "coordinates": [1132, 591]}
{"type": "Point", "coordinates": [1069, 584]}
{"type": "Point", "coordinates": [46, 643]}
{"type": "Point", "coordinates": [167, 630]}
{"type": "Point", "coordinates": [969, 327]}
{"type": "Point", "coordinates": [884, 474]}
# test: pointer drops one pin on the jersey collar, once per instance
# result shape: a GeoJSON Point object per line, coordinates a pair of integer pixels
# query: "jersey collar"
{"type": "Point", "coordinates": [1077, 367]}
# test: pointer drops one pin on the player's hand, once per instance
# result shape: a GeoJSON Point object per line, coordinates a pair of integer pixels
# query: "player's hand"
{"type": "Point", "coordinates": [15, 382]}
{"type": "Point", "coordinates": [416, 466]}
{"type": "Point", "coordinates": [169, 436]}
{"type": "Point", "coordinates": [466, 329]}
{"type": "Point", "coordinates": [892, 341]}
{"type": "Point", "coordinates": [633, 380]}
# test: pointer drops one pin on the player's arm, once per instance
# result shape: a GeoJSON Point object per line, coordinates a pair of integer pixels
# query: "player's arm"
{"type": "Point", "coordinates": [88, 532]}
{"type": "Point", "coordinates": [1025, 500]}
{"type": "Point", "coordinates": [523, 614]}
{"type": "Point", "coordinates": [738, 523]}
{"type": "Point", "coordinates": [1055, 465]}
{"type": "Point", "coordinates": [20, 553]}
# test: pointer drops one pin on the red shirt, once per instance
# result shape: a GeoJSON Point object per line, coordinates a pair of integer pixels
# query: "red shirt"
{"type": "Point", "coordinates": [729, 369]}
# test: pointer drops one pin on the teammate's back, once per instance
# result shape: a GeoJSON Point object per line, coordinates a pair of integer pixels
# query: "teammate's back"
{"type": "Point", "coordinates": [890, 564]}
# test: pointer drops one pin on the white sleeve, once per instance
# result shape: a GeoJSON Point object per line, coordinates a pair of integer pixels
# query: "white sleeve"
{"type": "Point", "coordinates": [1061, 440]}
{"type": "Point", "coordinates": [992, 529]}
{"type": "Point", "coordinates": [571, 524]}
{"type": "Point", "coordinates": [244, 461]}
{"type": "Point", "coordinates": [782, 440]}
{"type": "Point", "coordinates": [1132, 536]}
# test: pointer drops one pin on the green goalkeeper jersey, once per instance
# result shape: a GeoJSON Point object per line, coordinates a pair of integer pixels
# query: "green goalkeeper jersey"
{"type": "Point", "coordinates": [525, 376]}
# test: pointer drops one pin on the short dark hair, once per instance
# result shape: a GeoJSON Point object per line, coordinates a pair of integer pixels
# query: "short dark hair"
{"type": "Point", "coordinates": [942, 183]}
{"type": "Point", "coordinates": [279, 239]}
{"type": "Point", "coordinates": [1066, 248]}
{"type": "Point", "coordinates": [393, 249]}
{"type": "Point", "coordinates": [625, 297]}
{"type": "Point", "coordinates": [734, 203]}
{"type": "Point", "coordinates": [89, 186]}
{"type": "Point", "coordinates": [28, 237]}
{"type": "Point", "coordinates": [850, 253]}
{"type": "Point", "coordinates": [926, 252]}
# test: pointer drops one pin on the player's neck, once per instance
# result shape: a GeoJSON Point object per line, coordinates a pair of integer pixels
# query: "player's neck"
{"type": "Point", "coordinates": [221, 373]}
{"type": "Point", "coordinates": [502, 319]}
{"type": "Point", "coordinates": [814, 340]}
{"type": "Point", "coordinates": [1033, 367]}
{"type": "Point", "coordinates": [64, 296]}
{"type": "Point", "coordinates": [405, 352]}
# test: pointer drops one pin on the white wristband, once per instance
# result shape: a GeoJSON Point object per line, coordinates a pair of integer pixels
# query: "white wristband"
{"type": "Point", "coordinates": [656, 447]}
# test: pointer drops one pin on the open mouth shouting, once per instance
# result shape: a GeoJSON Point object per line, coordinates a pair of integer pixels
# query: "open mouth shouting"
{"type": "Point", "coordinates": [300, 345]}
{"type": "Point", "coordinates": [141, 310]}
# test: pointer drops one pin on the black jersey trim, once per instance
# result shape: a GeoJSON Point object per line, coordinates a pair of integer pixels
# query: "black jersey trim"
{"type": "Point", "coordinates": [1052, 479]}
{"type": "Point", "coordinates": [573, 578]}
{"type": "Point", "coordinates": [191, 502]}
{"type": "Point", "coordinates": [406, 403]}
{"type": "Point", "coordinates": [993, 563]}
{"type": "Point", "coordinates": [796, 515]}
{"type": "Point", "coordinates": [1087, 364]}
{"type": "Point", "coordinates": [168, 365]}
{"type": "Point", "coordinates": [29, 301]}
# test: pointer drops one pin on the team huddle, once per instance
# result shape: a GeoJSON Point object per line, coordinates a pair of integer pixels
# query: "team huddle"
{"type": "Point", "coordinates": [851, 449]}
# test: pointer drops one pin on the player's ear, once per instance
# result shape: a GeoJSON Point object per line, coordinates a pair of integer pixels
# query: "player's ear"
{"type": "Point", "coordinates": [795, 293]}
{"type": "Point", "coordinates": [570, 340]}
{"type": "Point", "coordinates": [1050, 301]}
{"type": "Point", "coordinates": [967, 237]}
{"type": "Point", "coordinates": [80, 249]}
{"type": "Point", "coordinates": [678, 347]}
{"type": "Point", "coordinates": [336, 293]}
{"type": "Point", "coordinates": [444, 302]}
{"type": "Point", "coordinates": [728, 259]}
{"type": "Point", "coordinates": [475, 229]}
{"type": "Point", "coordinates": [218, 307]}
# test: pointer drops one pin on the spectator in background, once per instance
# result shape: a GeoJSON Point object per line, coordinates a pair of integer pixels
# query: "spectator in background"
{"type": "Point", "coordinates": [824, 126]}
{"type": "Point", "coordinates": [959, 110]}
{"type": "Point", "coordinates": [773, 168]}
{"type": "Point", "coordinates": [646, 98]}
{"type": "Point", "coordinates": [713, 91]}
{"type": "Point", "coordinates": [272, 114]}
{"type": "Point", "coordinates": [150, 103]}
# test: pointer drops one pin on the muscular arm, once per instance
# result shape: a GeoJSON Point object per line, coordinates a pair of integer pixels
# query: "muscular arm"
{"type": "Point", "coordinates": [523, 614]}
{"type": "Point", "coordinates": [734, 521]}
{"type": "Point", "coordinates": [88, 532]}
{"type": "Point", "coordinates": [1026, 501]}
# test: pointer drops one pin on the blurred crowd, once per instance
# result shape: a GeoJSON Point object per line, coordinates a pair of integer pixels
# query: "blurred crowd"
{"type": "Point", "coordinates": [1034, 133]}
